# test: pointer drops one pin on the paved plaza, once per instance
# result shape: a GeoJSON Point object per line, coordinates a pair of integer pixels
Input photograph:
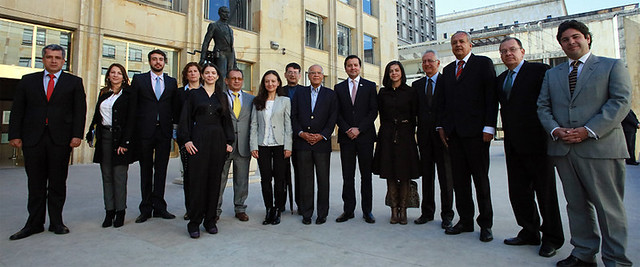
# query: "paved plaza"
{"type": "Point", "coordinates": [160, 242]}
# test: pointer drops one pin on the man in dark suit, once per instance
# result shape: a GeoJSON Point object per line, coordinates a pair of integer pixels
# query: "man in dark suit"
{"type": "Point", "coordinates": [157, 118]}
{"type": "Point", "coordinates": [314, 111]}
{"type": "Point", "coordinates": [47, 122]}
{"type": "Point", "coordinates": [530, 171]}
{"type": "Point", "coordinates": [630, 126]}
{"type": "Point", "coordinates": [581, 105]}
{"type": "Point", "coordinates": [292, 74]}
{"type": "Point", "coordinates": [432, 150]}
{"type": "Point", "coordinates": [358, 109]}
{"type": "Point", "coordinates": [467, 115]}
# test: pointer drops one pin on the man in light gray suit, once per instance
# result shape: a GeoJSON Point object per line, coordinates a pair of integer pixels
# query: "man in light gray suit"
{"type": "Point", "coordinates": [581, 105]}
{"type": "Point", "coordinates": [240, 105]}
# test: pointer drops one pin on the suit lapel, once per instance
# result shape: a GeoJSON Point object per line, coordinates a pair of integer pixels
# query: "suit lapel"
{"type": "Point", "coordinates": [146, 82]}
{"type": "Point", "coordinates": [59, 86]}
{"type": "Point", "coordinates": [562, 78]}
{"type": "Point", "coordinates": [245, 105]}
{"type": "Point", "coordinates": [464, 69]}
{"type": "Point", "coordinates": [586, 72]}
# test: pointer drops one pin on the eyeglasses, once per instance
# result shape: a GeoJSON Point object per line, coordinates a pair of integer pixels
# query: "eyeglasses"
{"type": "Point", "coordinates": [292, 73]}
{"type": "Point", "coordinates": [511, 49]}
{"type": "Point", "coordinates": [315, 73]}
{"type": "Point", "coordinates": [430, 61]}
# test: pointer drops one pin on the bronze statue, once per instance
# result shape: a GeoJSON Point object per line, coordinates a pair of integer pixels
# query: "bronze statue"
{"type": "Point", "coordinates": [223, 54]}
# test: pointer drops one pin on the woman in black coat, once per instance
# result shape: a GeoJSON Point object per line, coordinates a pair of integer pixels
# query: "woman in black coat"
{"type": "Point", "coordinates": [396, 156]}
{"type": "Point", "coordinates": [113, 121]}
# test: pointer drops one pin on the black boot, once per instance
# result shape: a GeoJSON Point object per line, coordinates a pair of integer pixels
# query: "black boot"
{"type": "Point", "coordinates": [268, 216]}
{"type": "Point", "coordinates": [119, 221]}
{"type": "Point", "coordinates": [276, 217]}
{"type": "Point", "coordinates": [108, 219]}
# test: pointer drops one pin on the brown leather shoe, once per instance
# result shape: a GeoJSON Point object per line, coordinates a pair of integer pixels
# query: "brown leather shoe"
{"type": "Point", "coordinates": [243, 217]}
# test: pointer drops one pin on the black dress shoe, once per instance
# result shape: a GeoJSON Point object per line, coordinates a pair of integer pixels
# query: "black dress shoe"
{"type": "Point", "coordinates": [58, 229]}
{"type": "Point", "coordinates": [321, 220]}
{"type": "Point", "coordinates": [306, 221]}
{"type": "Point", "coordinates": [344, 217]}
{"type": "Point", "coordinates": [633, 163]}
{"type": "Point", "coordinates": [517, 241]}
{"type": "Point", "coordinates": [186, 216]}
{"type": "Point", "coordinates": [547, 251]}
{"type": "Point", "coordinates": [195, 234]}
{"type": "Point", "coordinates": [163, 214]}
{"type": "Point", "coordinates": [486, 235]}
{"type": "Point", "coordinates": [26, 232]}
{"type": "Point", "coordinates": [423, 219]}
{"type": "Point", "coordinates": [142, 218]}
{"type": "Point", "coordinates": [212, 230]}
{"type": "Point", "coordinates": [446, 224]}
{"type": "Point", "coordinates": [369, 218]}
{"type": "Point", "coordinates": [457, 229]}
{"type": "Point", "coordinates": [276, 218]}
{"type": "Point", "coordinates": [574, 261]}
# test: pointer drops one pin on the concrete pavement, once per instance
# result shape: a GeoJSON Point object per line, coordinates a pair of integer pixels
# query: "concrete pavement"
{"type": "Point", "coordinates": [352, 243]}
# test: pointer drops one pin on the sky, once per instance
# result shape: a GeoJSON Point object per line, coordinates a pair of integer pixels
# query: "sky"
{"type": "Point", "coordinates": [573, 6]}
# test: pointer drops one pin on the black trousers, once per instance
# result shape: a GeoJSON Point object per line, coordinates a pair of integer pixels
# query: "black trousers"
{"type": "Point", "coordinates": [272, 166]}
{"type": "Point", "coordinates": [184, 158]}
{"type": "Point", "coordinates": [470, 158]}
{"type": "Point", "coordinates": [348, 153]}
{"type": "Point", "coordinates": [630, 137]}
{"type": "Point", "coordinates": [291, 162]}
{"type": "Point", "coordinates": [532, 176]}
{"type": "Point", "coordinates": [432, 154]}
{"type": "Point", "coordinates": [308, 161]}
{"type": "Point", "coordinates": [154, 157]}
{"type": "Point", "coordinates": [46, 165]}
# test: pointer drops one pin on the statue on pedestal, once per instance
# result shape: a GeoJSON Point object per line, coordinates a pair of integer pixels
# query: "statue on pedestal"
{"type": "Point", "coordinates": [223, 54]}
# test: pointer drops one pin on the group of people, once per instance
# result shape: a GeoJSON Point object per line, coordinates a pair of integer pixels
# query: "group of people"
{"type": "Point", "coordinates": [568, 117]}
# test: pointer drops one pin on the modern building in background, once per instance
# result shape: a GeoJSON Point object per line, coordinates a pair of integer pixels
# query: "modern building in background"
{"type": "Point", "coordinates": [268, 34]}
{"type": "Point", "coordinates": [416, 21]}
{"type": "Point", "coordinates": [498, 15]}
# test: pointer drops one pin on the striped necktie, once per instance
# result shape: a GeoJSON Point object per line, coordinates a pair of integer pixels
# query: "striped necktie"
{"type": "Point", "coordinates": [573, 76]}
{"type": "Point", "coordinates": [459, 71]}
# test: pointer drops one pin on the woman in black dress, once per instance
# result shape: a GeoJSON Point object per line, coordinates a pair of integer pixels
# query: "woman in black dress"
{"type": "Point", "coordinates": [114, 120]}
{"type": "Point", "coordinates": [396, 155]}
{"type": "Point", "coordinates": [207, 134]}
{"type": "Point", "coordinates": [191, 79]}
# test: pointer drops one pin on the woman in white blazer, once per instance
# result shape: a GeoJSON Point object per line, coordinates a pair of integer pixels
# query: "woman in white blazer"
{"type": "Point", "coordinates": [270, 142]}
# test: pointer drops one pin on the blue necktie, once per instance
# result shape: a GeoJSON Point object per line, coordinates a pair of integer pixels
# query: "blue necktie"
{"type": "Point", "coordinates": [157, 89]}
{"type": "Point", "coordinates": [508, 84]}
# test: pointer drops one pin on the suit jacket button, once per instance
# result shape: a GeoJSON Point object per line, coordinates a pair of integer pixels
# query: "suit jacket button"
{"type": "Point", "coordinates": [312, 117]}
{"type": "Point", "coordinates": [308, 128]}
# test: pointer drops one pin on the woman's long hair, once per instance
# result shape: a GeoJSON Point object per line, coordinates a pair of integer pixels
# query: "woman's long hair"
{"type": "Point", "coordinates": [107, 82]}
{"type": "Point", "coordinates": [386, 81]}
{"type": "Point", "coordinates": [185, 71]}
{"type": "Point", "coordinates": [261, 99]}
{"type": "Point", "coordinates": [219, 90]}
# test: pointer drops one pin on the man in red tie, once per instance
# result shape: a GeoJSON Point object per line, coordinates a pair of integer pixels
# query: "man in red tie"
{"type": "Point", "coordinates": [467, 116]}
{"type": "Point", "coordinates": [47, 122]}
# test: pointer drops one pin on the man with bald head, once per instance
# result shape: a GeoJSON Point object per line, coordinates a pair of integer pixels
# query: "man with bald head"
{"type": "Point", "coordinates": [314, 111]}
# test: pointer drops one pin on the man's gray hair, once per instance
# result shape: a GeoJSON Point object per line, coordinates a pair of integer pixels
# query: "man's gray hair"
{"type": "Point", "coordinates": [321, 69]}
{"type": "Point", "coordinates": [431, 51]}
{"type": "Point", "coordinates": [53, 47]}
{"type": "Point", "coordinates": [463, 32]}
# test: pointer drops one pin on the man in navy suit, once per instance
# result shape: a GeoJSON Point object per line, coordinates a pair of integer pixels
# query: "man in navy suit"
{"type": "Point", "coordinates": [314, 111]}
{"type": "Point", "coordinates": [157, 119]}
{"type": "Point", "coordinates": [292, 74]}
{"type": "Point", "coordinates": [432, 151]}
{"type": "Point", "coordinates": [530, 171]}
{"type": "Point", "coordinates": [358, 109]}
{"type": "Point", "coordinates": [47, 122]}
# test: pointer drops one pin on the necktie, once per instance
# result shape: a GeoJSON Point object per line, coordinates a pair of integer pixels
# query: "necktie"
{"type": "Point", "coordinates": [573, 76]}
{"type": "Point", "coordinates": [50, 85]}
{"type": "Point", "coordinates": [429, 91]}
{"type": "Point", "coordinates": [158, 89]}
{"type": "Point", "coordinates": [236, 104]}
{"type": "Point", "coordinates": [508, 84]}
{"type": "Point", "coordinates": [459, 71]}
{"type": "Point", "coordinates": [353, 91]}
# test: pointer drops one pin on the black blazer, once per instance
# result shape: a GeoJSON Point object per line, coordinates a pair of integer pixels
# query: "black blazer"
{"type": "Point", "coordinates": [148, 107]}
{"type": "Point", "coordinates": [522, 128]}
{"type": "Point", "coordinates": [469, 103]}
{"type": "Point", "coordinates": [123, 120]}
{"type": "Point", "coordinates": [322, 120]}
{"type": "Point", "coordinates": [361, 114]}
{"type": "Point", "coordinates": [66, 110]}
{"type": "Point", "coordinates": [427, 114]}
{"type": "Point", "coordinates": [630, 122]}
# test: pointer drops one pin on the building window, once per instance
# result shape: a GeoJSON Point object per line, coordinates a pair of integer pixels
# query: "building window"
{"type": "Point", "coordinates": [27, 36]}
{"type": "Point", "coordinates": [64, 40]}
{"type": "Point", "coordinates": [366, 7]}
{"type": "Point", "coordinates": [246, 73]}
{"type": "Point", "coordinates": [344, 40]}
{"type": "Point", "coordinates": [368, 49]}
{"type": "Point", "coordinates": [41, 36]}
{"type": "Point", "coordinates": [313, 34]}
{"type": "Point", "coordinates": [24, 62]}
{"type": "Point", "coordinates": [345, 1]}
{"type": "Point", "coordinates": [108, 51]}
{"type": "Point", "coordinates": [175, 5]}
{"type": "Point", "coordinates": [135, 54]}
{"type": "Point", "coordinates": [239, 12]}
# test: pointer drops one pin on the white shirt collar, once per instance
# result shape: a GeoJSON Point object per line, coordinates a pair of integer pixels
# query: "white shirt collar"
{"type": "Point", "coordinates": [582, 59]}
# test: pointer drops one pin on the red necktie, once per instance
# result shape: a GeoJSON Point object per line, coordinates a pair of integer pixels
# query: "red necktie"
{"type": "Point", "coordinates": [50, 86]}
{"type": "Point", "coordinates": [460, 63]}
